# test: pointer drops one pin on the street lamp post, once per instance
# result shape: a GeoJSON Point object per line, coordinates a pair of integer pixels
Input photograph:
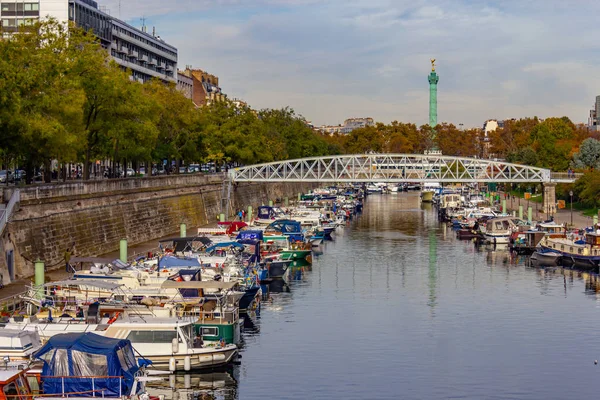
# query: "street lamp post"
{"type": "Point", "coordinates": [571, 194]}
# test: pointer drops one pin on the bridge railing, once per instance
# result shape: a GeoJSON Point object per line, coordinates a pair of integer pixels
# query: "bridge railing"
{"type": "Point", "coordinates": [565, 176]}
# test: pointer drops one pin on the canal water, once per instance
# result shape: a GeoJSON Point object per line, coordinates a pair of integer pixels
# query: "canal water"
{"type": "Point", "coordinates": [396, 307]}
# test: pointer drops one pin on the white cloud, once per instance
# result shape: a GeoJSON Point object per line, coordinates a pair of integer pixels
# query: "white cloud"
{"type": "Point", "coordinates": [333, 59]}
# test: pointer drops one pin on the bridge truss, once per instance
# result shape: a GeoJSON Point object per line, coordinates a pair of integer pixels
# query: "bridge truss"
{"type": "Point", "coordinates": [392, 168]}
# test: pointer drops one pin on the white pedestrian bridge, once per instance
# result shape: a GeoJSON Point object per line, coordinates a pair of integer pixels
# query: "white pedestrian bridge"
{"type": "Point", "coordinates": [396, 168]}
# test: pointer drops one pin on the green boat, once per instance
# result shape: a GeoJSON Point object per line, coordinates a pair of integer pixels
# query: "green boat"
{"type": "Point", "coordinates": [214, 309]}
{"type": "Point", "coordinates": [287, 250]}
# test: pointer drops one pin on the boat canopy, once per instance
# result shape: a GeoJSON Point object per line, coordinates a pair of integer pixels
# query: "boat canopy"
{"type": "Point", "coordinates": [224, 245]}
{"type": "Point", "coordinates": [85, 282]}
{"type": "Point", "coordinates": [171, 261]}
{"type": "Point", "coordinates": [72, 359]}
{"type": "Point", "coordinates": [190, 243]}
{"type": "Point", "coordinates": [198, 285]}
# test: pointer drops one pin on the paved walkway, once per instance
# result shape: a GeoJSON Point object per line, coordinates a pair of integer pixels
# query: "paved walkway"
{"type": "Point", "coordinates": [561, 216]}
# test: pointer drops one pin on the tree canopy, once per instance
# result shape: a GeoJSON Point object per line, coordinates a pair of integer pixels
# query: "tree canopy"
{"type": "Point", "coordinates": [63, 98]}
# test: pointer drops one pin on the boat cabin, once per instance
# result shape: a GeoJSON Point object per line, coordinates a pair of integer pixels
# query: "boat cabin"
{"type": "Point", "coordinates": [14, 385]}
{"type": "Point", "coordinates": [500, 225]}
{"type": "Point", "coordinates": [290, 228]}
{"type": "Point", "coordinates": [592, 239]}
{"type": "Point", "coordinates": [553, 230]}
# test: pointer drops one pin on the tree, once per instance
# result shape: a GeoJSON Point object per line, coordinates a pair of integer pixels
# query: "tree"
{"type": "Point", "coordinates": [588, 155]}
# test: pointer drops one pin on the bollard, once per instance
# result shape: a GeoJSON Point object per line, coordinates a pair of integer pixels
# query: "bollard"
{"type": "Point", "coordinates": [270, 203]}
{"type": "Point", "coordinates": [123, 250]}
{"type": "Point", "coordinates": [504, 206]}
{"type": "Point", "coordinates": [222, 217]}
{"type": "Point", "coordinates": [249, 214]}
{"type": "Point", "coordinates": [40, 278]}
{"type": "Point", "coordinates": [182, 230]}
{"type": "Point", "coordinates": [520, 212]}
{"type": "Point", "coordinates": [529, 214]}
{"type": "Point", "coordinates": [286, 201]}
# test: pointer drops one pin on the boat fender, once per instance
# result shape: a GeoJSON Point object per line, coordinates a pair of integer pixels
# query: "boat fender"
{"type": "Point", "coordinates": [172, 363]}
{"type": "Point", "coordinates": [187, 363]}
{"type": "Point", "coordinates": [114, 318]}
{"type": "Point", "coordinates": [175, 345]}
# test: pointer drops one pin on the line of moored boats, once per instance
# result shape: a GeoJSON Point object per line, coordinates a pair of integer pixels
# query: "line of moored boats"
{"type": "Point", "coordinates": [548, 242]}
{"type": "Point", "coordinates": [116, 329]}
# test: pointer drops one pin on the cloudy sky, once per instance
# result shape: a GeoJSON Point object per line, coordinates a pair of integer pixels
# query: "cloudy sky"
{"type": "Point", "coordinates": [334, 59]}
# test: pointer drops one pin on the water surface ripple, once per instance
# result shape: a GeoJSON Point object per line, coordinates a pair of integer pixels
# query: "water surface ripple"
{"type": "Point", "coordinates": [397, 308]}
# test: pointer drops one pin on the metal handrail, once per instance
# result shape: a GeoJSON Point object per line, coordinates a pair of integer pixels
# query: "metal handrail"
{"type": "Point", "coordinates": [7, 213]}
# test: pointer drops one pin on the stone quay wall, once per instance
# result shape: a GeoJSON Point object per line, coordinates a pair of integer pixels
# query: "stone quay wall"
{"type": "Point", "coordinates": [96, 215]}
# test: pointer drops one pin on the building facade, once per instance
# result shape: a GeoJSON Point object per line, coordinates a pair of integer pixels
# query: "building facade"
{"type": "Point", "coordinates": [355, 123]}
{"type": "Point", "coordinates": [205, 88]}
{"type": "Point", "coordinates": [593, 122]}
{"type": "Point", "coordinates": [146, 56]}
{"type": "Point", "coordinates": [185, 85]}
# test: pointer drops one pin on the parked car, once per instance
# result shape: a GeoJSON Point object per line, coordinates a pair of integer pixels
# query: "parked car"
{"type": "Point", "coordinates": [6, 176]}
{"type": "Point", "coordinates": [19, 175]}
{"type": "Point", "coordinates": [129, 172]}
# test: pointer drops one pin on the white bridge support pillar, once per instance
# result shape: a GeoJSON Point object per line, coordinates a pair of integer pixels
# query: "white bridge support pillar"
{"type": "Point", "coordinates": [549, 199]}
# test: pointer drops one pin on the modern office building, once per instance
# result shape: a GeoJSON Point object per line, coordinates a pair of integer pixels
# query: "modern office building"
{"type": "Point", "coordinates": [146, 55]}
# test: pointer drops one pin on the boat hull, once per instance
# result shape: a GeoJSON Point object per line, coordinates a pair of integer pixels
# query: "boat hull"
{"type": "Point", "coordinates": [427, 197]}
{"type": "Point", "coordinates": [295, 254]}
{"type": "Point", "coordinates": [198, 361]}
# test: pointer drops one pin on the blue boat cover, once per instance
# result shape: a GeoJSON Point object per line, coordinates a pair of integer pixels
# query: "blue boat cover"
{"type": "Point", "coordinates": [224, 245]}
{"type": "Point", "coordinates": [171, 261]}
{"type": "Point", "coordinates": [73, 358]}
{"type": "Point", "coordinates": [265, 212]}
{"type": "Point", "coordinates": [250, 234]}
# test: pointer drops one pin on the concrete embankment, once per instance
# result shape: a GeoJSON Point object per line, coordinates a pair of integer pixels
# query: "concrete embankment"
{"type": "Point", "coordinates": [96, 215]}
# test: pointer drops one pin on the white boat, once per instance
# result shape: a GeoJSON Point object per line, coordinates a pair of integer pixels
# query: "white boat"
{"type": "Point", "coordinates": [17, 347]}
{"type": "Point", "coordinates": [374, 189]}
{"type": "Point", "coordinates": [498, 230]}
{"type": "Point", "coordinates": [169, 343]}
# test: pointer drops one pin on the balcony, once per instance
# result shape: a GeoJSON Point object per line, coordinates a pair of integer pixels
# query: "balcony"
{"type": "Point", "coordinates": [160, 65]}
{"type": "Point", "coordinates": [123, 50]}
{"type": "Point", "coordinates": [169, 68]}
{"type": "Point", "coordinates": [144, 58]}
{"type": "Point", "coordinates": [152, 61]}
{"type": "Point", "coordinates": [134, 54]}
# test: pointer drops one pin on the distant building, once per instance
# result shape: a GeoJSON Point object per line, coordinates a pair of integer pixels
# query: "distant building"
{"type": "Point", "coordinates": [185, 85]}
{"type": "Point", "coordinates": [146, 56]}
{"type": "Point", "coordinates": [593, 122]}
{"type": "Point", "coordinates": [205, 86]}
{"type": "Point", "coordinates": [349, 125]}
{"type": "Point", "coordinates": [355, 123]}
{"type": "Point", "coordinates": [331, 129]}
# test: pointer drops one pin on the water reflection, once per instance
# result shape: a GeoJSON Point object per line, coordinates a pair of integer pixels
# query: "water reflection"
{"type": "Point", "coordinates": [358, 323]}
{"type": "Point", "coordinates": [198, 386]}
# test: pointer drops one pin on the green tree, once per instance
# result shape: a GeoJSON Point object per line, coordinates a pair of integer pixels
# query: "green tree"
{"type": "Point", "coordinates": [588, 155]}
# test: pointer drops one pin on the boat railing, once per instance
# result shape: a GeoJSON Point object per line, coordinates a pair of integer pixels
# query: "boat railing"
{"type": "Point", "coordinates": [15, 303]}
{"type": "Point", "coordinates": [93, 380]}
{"type": "Point", "coordinates": [214, 316]}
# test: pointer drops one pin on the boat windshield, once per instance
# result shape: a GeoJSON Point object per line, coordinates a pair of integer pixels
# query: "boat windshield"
{"type": "Point", "coordinates": [187, 333]}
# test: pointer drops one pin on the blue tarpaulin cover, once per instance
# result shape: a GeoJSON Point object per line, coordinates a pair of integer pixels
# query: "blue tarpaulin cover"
{"type": "Point", "coordinates": [250, 234]}
{"type": "Point", "coordinates": [73, 358]}
{"type": "Point", "coordinates": [171, 261]}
